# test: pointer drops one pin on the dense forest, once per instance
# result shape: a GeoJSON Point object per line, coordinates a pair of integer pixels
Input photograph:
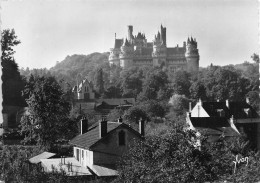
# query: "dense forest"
{"type": "Point", "coordinates": [233, 82]}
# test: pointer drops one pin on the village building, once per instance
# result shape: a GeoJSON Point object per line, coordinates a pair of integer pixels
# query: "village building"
{"type": "Point", "coordinates": [101, 146]}
{"type": "Point", "coordinates": [137, 51]}
{"type": "Point", "coordinates": [85, 100]}
{"type": "Point", "coordinates": [226, 119]}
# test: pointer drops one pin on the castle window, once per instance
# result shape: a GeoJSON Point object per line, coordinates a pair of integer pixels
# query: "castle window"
{"type": "Point", "coordinates": [85, 88]}
{"type": "Point", "coordinates": [121, 138]}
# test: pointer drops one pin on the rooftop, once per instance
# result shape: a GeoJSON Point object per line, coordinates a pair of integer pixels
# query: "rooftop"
{"type": "Point", "coordinates": [44, 155]}
{"type": "Point", "coordinates": [235, 109]}
{"type": "Point", "coordinates": [69, 165]}
{"type": "Point", "coordinates": [91, 137]}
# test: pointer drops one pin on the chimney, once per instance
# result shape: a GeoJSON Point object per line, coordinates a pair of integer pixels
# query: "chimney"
{"type": "Point", "coordinates": [227, 103]}
{"type": "Point", "coordinates": [83, 125]}
{"type": "Point", "coordinates": [247, 100]}
{"type": "Point", "coordinates": [200, 102]}
{"type": "Point", "coordinates": [189, 107]}
{"type": "Point", "coordinates": [120, 120]}
{"type": "Point", "coordinates": [141, 127]}
{"type": "Point", "coordinates": [102, 128]}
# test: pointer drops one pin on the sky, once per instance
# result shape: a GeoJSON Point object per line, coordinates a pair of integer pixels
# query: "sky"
{"type": "Point", "coordinates": [226, 30]}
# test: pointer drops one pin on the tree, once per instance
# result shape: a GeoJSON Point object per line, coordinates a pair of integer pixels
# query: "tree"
{"type": "Point", "coordinates": [153, 108]}
{"type": "Point", "coordinates": [169, 157]}
{"type": "Point", "coordinates": [131, 82]}
{"type": "Point", "coordinates": [181, 83]}
{"type": "Point", "coordinates": [99, 81]}
{"type": "Point", "coordinates": [255, 57]}
{"type": "Point", "coordinates": [198, 90]}
{"type": "Point", "coordinates": [179, 104]}
{"type": "Point", "coordinates": [155, 81]}
{"type": "Point", "coordinates": [13, 83]}
{"type": "Point", "coordinates": [254, 99]}
{"type": "Point", "coordinates": [48, 118]}
{"type": "Point", "coordinates": [135, 113]}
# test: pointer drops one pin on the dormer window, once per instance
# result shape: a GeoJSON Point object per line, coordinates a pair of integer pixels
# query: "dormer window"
{"type": "Point", "coordinates": [221, 112]}
{"type": "Point", "coordinates": [121, 138]}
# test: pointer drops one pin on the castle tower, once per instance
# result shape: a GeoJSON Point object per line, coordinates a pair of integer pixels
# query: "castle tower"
{"type": "Point", "coordinates": [159, 50]}
{"type": "Point", "coordinates": [126, 55]}
{"type": "Point", "coordinates": [192, 55]}
{"type": "Point", "coordinates": [130, 33]}
{"type": "Point", "coordinates": [163, 35]}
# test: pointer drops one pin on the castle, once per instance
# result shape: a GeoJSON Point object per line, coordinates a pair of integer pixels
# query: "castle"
{"type": "Point", "coordinates": [136, 51]}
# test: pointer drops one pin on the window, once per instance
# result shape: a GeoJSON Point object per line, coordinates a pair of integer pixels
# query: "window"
{"type": "Point", "coordinates": [121, 138]}
{"type": "Point", "coordinates": [82, 152]}
{"type": "Point", "coordinates": [77, 154]}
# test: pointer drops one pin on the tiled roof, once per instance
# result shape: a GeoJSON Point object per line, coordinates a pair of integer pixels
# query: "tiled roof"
{"type": "Point", "coordinates": [89, 138]}
{"type": "Point", "coordinates": [235, 108]}
{"type": "Point", "coordinates": [75, 170]}
{"type": "Point", "coordinates": [118, 43]}
{"type": "Point", "coordinates": [215, 127]}
{"type": "Point", "coordinates": [217, 132]}
{"type": "Point", "coordinates": [211, 122]}
{"type": "Point", "coordinates": [117, 101]}
{"type": "Point", "coordinates": [44, 155]}
{"type": "Point", "coordinates": [103, 170]}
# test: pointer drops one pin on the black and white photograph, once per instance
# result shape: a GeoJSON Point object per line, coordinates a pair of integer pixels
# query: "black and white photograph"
{"type": "Point", "coordinates": [132, 91]}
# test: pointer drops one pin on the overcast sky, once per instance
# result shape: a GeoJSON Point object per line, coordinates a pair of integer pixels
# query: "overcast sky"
{"type": "Point", "coordinates": [226, 30]}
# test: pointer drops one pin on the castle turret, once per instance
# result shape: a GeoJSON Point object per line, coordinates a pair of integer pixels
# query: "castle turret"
{"type": "Point", "coordinates": [163, 35]}
{"type": "Point", "coordinates": [130, 33]}
{"type": "Point", "coordinates": [115, 51]}
{"type": "Point", "coordinates": [159, 50]}
{"type": "Point", "coordinates": [126, 55]}
{"type": "Point", "coordinates": [192, 55]}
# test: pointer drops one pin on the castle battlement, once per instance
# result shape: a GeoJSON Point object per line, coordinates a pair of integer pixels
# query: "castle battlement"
{"type": "Point", "coordinates": [137, 51]}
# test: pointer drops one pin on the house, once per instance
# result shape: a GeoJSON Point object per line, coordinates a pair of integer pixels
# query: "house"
{"type": "Point", "coordinates": [227, 119]}
{"type": "Point", "coordinates": [84, 90]}
{"type": "Point", "coordinates": [50, 162]}
{"type": "Point", "coordinates": [104, 106]}
{"type": "Point", "coordinates": [102, 145]}
{"type": "Point", "coordinates": [85, 101]}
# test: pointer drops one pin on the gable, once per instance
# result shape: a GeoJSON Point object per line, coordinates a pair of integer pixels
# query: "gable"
{"type": "Point", "coordinates": [199, 111]}
{"type": "Point", "coordinates": [90, 138]}
{"type": "Point", "coordinates": [110, 144]}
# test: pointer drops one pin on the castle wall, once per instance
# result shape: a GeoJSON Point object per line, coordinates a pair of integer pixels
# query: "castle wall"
{"type": "Point", "coordinates": [192, 64]}
{"type": "Point", "coordinates": [135, 52]}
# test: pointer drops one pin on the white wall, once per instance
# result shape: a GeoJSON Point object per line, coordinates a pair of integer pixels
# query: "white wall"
{"type": "Point", "coordinates": [198, 111]}
{"type": "Point", "coordinates": [86, 159]}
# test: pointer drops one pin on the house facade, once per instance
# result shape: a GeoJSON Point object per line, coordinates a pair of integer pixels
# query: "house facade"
{"type": "Point", "coordinates": [101, 146]}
